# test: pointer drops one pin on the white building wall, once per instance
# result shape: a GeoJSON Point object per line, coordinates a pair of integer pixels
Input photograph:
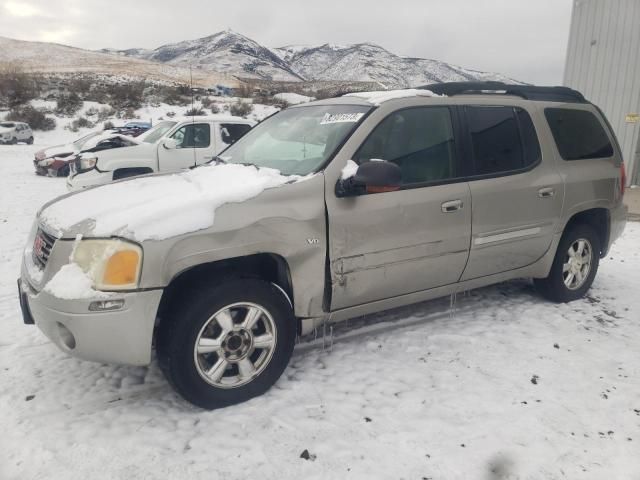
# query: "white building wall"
{"type": "Point", "coordinates": [603, 62]}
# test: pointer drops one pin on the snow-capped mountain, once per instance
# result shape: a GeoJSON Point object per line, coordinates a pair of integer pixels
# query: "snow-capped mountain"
{"type": "Point", "coordinates": [224, 52]}
{"type": "Point", "coordinates": [232, 53]}
{"type": "Point", "coordinates": [372, 63]}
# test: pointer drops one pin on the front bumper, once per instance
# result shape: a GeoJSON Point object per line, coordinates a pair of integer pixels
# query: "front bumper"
{"type": "Point", "coordinates": [122, 336]}
{"type": "Point", "coordinates": [91, 178]}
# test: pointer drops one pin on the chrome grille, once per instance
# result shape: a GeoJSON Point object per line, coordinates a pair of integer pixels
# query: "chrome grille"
{"type": "Point", "coordinates": [42, 246]}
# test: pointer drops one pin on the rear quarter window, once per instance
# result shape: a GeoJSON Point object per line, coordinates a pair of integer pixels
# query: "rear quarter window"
{"type": "Point", "coordinates": [578, 134]}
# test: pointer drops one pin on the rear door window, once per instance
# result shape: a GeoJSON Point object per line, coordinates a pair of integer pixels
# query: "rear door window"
{"type": "Point", "coordinates": [231, 132]}
{"type": "Point", "coordinates": [419, 140]}
{"type": "Point", "coordinates": [503, 139]}
{"type": "Point", "coordinates": [578, 134]}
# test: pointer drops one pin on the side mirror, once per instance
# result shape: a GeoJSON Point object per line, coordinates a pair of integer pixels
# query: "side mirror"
{"type": "Point", "coordinates": [374, 176]}
{"type": "Point", "coordinates": [170, 143]}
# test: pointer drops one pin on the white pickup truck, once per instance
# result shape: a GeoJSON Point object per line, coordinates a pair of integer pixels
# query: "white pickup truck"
{"type": "Point", "coordinates": [169, 146]}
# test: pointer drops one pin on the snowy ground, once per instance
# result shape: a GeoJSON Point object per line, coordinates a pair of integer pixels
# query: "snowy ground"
{"type": "Point", "coordinates": [509, 387]}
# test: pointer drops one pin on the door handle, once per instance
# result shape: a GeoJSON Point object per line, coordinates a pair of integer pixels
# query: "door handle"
{"type": "Point", "coordinates": [546, 192]}
{"type": "Point", "coordinates": [208, 157]}
{"type": "Point", "coordinates": [452, 206]}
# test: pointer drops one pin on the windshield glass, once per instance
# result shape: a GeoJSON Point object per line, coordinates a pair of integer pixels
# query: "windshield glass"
{"type": "Point", "coordinates": [296, 141]}
{"type": "Point", "coordinates": [155, 133]}
{"type": "Point", "coordinates": [7, 124]}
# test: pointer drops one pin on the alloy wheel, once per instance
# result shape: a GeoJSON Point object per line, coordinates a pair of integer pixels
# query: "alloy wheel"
{"type": "Point", "coordinates": [235, 345]}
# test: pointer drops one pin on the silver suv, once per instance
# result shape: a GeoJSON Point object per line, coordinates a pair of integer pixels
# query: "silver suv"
{"type": "Point", "coordinates": [14, 132]}
{"type": "Point", "coordinates": [323, 212]}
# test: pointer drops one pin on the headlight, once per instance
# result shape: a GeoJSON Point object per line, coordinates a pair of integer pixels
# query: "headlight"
{"type": "Point", "coordinates": [111, 264]}
{"type": "Point", "coordinates": [87, 163]}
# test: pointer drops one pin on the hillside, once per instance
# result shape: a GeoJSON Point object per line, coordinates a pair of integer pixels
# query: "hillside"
{"type": "Point", "coordinates": [235, 54]}
{"type": "Point", "coordinates": [54, 58]}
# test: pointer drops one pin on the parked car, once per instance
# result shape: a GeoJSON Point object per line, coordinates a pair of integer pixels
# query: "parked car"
{"type": "Point", "coordinates": [326, 211]}
{"type": "Point", "coordinates": [54, 161]}
{"type": "Point", "coordinates": [169, 146]}
{"type": "Point", "coordinates": [14, 132]}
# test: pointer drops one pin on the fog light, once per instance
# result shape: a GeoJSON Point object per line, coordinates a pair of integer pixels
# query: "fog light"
{"type": "Point", "coordinates": [106, 305]}
{"type": "Point", "coordinates": [66, 336]}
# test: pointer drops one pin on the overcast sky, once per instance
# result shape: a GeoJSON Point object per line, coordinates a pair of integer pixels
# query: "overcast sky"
{"type": "Point", "coordinates": [525, 39]}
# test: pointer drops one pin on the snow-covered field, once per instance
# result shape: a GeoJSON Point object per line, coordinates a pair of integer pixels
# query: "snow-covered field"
{"type": "Point", "coordinates": [507, 387]}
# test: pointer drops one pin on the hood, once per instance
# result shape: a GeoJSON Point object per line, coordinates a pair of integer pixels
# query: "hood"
{"type": "Point", "coordinates": [139, 150]}
{"type": "Point", "coordinates": [57, 150]}
{"type": "Point", "coordinates": [93, 142]}
{"type": "Point", "coordinates": [158, 206]}
{"type": "Point", "coordinates": [6, 130]}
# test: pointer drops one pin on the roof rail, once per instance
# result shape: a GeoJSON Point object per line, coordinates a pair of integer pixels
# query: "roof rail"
{"type": "Point", "coordinates": [529, 92]}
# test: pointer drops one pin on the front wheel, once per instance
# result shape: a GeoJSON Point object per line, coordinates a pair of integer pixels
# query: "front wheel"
{"type": "Point", "coordinates": [224, 344]}
{"type": "Point", "coordinates": [30, 141]}
{"type": "Point", "coordinates": [13, 141]}
{"type": "Point", "coordinates": [574, 266]}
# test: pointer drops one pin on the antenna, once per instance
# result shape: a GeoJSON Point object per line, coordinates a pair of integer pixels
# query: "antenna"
{"type": "Point", "coordinates": [193, 117]}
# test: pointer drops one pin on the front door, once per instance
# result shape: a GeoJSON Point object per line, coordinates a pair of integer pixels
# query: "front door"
{"type": "Point", "coordinates": [516, 191]}
{"type": "Point", "coordinates": [194, 146]}
{"type": "Point", "coordinates": [393, 243]}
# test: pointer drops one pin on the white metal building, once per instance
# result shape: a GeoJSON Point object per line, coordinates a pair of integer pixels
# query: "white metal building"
{"type": "Point", "coordinates": [603, 62]}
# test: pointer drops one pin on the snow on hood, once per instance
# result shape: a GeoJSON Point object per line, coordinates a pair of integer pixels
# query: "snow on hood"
{"type": "Point", "coordinates": [92, 142]}
{"type": "Point", "coordinates": [159, 207]}
{"type": "Point", "coordinates": [377, 98]}
{"type": "Point", "coordinates": [68, 148]}
{"type": "Point", "coordinates": [5, 129]}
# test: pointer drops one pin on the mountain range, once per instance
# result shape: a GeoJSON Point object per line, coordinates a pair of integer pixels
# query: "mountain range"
{"type": "Point", "coordinates": [234, 54]}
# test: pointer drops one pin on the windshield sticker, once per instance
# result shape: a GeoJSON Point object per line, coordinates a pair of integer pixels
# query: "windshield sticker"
{"type": "Point", "coordinates": [341, 118]}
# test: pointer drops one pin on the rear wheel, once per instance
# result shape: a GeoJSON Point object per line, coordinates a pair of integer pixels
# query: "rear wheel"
{"type": "Point", "coordinates": [574, 267]}
{"type": "Point", "coordinates": [224, 344]}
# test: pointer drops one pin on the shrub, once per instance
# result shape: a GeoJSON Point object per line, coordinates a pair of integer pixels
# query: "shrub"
{"type": "Point", "coordinates": [171, 114]}
{"type": "Point", "coordinates": [68, 104]}
{"type": "Point", "coordinates": [108, 125]}
{"type": "Point", "coordinates": [126, 95]}
{"type": "Point", "coordinates": [16, 86]}
{"type": "Point", "coordinates": [195, 112]}
{"type": "Point", "coordinates": [105, 112]}
{"type": "Point", "coordinates": [35, 118]}
{"type": "Point", "coordinates": [241, 109]}
{"type": "Point", "coordinates": [80, 122]}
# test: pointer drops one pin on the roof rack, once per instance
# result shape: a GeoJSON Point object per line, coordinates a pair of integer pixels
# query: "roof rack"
{"type": "Point", "coordinates": [529, 92]}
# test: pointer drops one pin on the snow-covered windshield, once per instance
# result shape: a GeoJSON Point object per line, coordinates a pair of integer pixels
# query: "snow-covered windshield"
{"type": "Point", "coordinates": [155, 133]}
{"type": "Point", "coordinates": [296, 141]}
{"type": "Point", "coordinates": [7, 125]}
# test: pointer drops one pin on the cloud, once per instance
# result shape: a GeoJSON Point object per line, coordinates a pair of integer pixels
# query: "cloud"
{"type": "Point", "coordinates": [57, 36]}
{"type": "Point", "coordinates": [21, 9]}
{"type": "Point", "coordinates": [523, 39]}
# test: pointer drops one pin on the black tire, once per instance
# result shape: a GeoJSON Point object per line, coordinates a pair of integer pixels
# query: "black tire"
{"type": "Point", "coordinates": [553, 287]}
{"type": "Point", "coordinates": [13, 141]}
{"type": "Point", "coordinates": [30, 141]}
{"type": "Point", "coordinates": [187, 315]}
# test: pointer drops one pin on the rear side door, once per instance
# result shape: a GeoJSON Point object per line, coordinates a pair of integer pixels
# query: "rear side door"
{"type": "Point", "coordinates": [195, 144]}
{"type": "Point", "coordinates": [516, 191]}
{"type": "Point", "coordinates": [416, 238]}
{"type": "Point", "coordinates": [230, 133]}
